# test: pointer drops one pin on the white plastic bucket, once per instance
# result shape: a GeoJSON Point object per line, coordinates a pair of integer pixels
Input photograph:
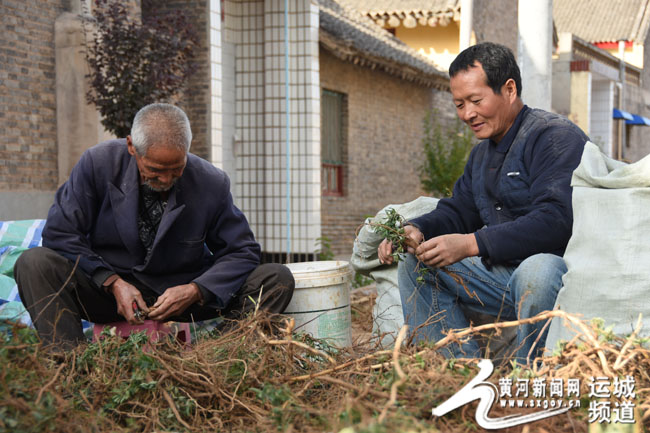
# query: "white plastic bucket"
{"type": "Point", "coordinates": [320, 304]}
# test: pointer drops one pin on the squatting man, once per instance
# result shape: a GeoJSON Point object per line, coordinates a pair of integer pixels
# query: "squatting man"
{"type": "Point", "coordinates": [145, 221]}
{"type": "Point", "coordinates": [506, 227]}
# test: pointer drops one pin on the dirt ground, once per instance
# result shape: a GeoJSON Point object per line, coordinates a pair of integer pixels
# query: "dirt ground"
{"type": "Point", "coordinates": [362, 300]}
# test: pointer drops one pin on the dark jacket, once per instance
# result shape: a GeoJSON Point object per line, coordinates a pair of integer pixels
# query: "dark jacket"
{"type": "Point", "coordinates": [515, 195]}
{"type": "Point", "coordinates": [202, 237]}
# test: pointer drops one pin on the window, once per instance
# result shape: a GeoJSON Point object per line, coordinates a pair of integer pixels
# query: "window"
{"type": "Point", "coordinates": [333, 123]}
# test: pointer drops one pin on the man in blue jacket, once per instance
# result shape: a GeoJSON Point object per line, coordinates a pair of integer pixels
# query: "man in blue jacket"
{"type": "Point", "coordinates": [143, 220]}
{"type": "Point", "coordinates": [504, 230]}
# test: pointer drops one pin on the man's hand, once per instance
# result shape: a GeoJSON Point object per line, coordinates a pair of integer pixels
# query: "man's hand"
{"type": "Point", "coordinates": [385, 249]}
{"type": "Point", "coordinates": [174, 301]}
{"type": "Point", "coordinates": [125, 294]}
{"type": "Point", "coordinates": [447, 249]}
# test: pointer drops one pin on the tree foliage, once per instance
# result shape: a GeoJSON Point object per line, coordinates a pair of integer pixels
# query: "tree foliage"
{"type": "Point", "coordinates": [446, 150]}
{"type": "Point", "coordinates": [134, 62]}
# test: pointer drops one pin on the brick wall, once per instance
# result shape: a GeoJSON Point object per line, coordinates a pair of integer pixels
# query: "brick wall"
{"type": "Point", "coordinates": [384, 147]}
{"type": "Point", "coordinates": [195, 98]}
{"type": "Point", "coordinates": [28, 152]}
{"type": "Point", "coordinates": [496, 21]}
{"type": "Point", "coordinates": [28, 142]}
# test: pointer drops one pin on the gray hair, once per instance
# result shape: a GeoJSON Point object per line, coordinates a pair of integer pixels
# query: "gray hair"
{"type": "Point", "coordinates": [160, 124]}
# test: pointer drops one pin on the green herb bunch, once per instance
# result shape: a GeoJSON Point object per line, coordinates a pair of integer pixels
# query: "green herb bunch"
{"type": "Point", "coordinates": [392, 228]}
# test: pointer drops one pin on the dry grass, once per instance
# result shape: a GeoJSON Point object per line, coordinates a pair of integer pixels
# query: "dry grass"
{"type": "Point", "coordinates": [259, 377]}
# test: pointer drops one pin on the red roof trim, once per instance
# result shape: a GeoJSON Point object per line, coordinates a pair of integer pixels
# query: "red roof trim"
{"type": "Point", "coordinates": [612, 45]}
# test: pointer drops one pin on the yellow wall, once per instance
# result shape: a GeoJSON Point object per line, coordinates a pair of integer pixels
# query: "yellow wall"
{"type": "Point", "coordinates": [439, 43]}
{"type": "Point", "coordinates": [633, 55]}
{"type": "Point", "coordinates": [580, 99]}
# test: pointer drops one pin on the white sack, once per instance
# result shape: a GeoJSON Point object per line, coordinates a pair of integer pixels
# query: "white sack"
{"type": "Point", "coordinates": [387, 313]}
{"type": "Point", "coordinates": [608, 255]}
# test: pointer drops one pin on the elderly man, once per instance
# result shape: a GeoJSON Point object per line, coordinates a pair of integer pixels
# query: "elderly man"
{"type": "Point", "coordinates": [141, 220]}
{"type": "Point", "coordinates": [504, 230]}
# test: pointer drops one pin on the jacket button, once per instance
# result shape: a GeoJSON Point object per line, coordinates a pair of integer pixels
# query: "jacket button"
{"type": "Point", "coordinates": [498, 206]}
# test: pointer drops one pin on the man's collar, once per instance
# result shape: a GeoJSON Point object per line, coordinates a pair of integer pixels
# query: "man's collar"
{"type": "Point", "coordinates": [507, 139]}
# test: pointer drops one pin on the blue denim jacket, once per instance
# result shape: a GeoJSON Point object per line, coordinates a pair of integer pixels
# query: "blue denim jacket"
{"type": "Point", "coordinates": [515, 195]}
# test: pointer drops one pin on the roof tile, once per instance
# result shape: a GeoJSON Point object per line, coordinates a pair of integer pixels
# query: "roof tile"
{"type": "Point", "coordinates": [603, 20]}
{"type": "Point", "coordinates": [360, 33]}
{"type": "Point", "coordinates": [377, 7]}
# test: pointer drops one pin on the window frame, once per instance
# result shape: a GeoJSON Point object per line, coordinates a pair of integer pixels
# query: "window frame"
{"type": "Point", "coordinates": [333, 172]}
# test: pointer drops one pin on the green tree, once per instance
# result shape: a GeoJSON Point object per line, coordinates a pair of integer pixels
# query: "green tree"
{"type": "Point", "coordinates": [446, 150]}
{"type": "Point", "coordinates": [134, 62]}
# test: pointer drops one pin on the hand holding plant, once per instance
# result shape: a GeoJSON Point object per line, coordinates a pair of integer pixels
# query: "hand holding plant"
{"type": "Point", "coordinates": [398, 238]}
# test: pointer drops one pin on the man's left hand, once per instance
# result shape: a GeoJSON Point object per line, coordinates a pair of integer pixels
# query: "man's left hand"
{"type": "Point", "coordinates": [174, 301]}
{"type": "Point", "coordinates": [447, 249]}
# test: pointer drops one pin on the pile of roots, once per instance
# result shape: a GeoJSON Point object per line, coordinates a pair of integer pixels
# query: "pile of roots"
{"type": "Point", "coordinates": [260, 376]}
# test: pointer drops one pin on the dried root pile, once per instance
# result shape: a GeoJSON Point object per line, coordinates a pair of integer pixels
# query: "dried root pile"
{"type": "Point", "coordinates": [260, 377]}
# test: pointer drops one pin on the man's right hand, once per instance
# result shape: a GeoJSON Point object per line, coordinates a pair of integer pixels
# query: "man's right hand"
{"type": "Point", "coordinates": [125, 294]}
{"type": "Point", "coordinates": [385, 250]}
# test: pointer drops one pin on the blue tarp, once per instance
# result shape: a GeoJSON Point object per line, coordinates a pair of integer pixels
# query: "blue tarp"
{"type": "Point", "coordinates": [638, 120]}
{"type": "Point", "coordinates": [16, 237]}
{"type": "Point", "coordinates": [630, 119]}
{"type": "Point", "coordinates": [620, 114]}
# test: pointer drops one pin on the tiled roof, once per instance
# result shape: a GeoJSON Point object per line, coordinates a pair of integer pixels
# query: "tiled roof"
{"type": "Point", "coordinates": [409, 13]}
{"type": "Point", "coordinates": [603, 20]}
{"type": "Point", "coordinates": [354, 37]}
